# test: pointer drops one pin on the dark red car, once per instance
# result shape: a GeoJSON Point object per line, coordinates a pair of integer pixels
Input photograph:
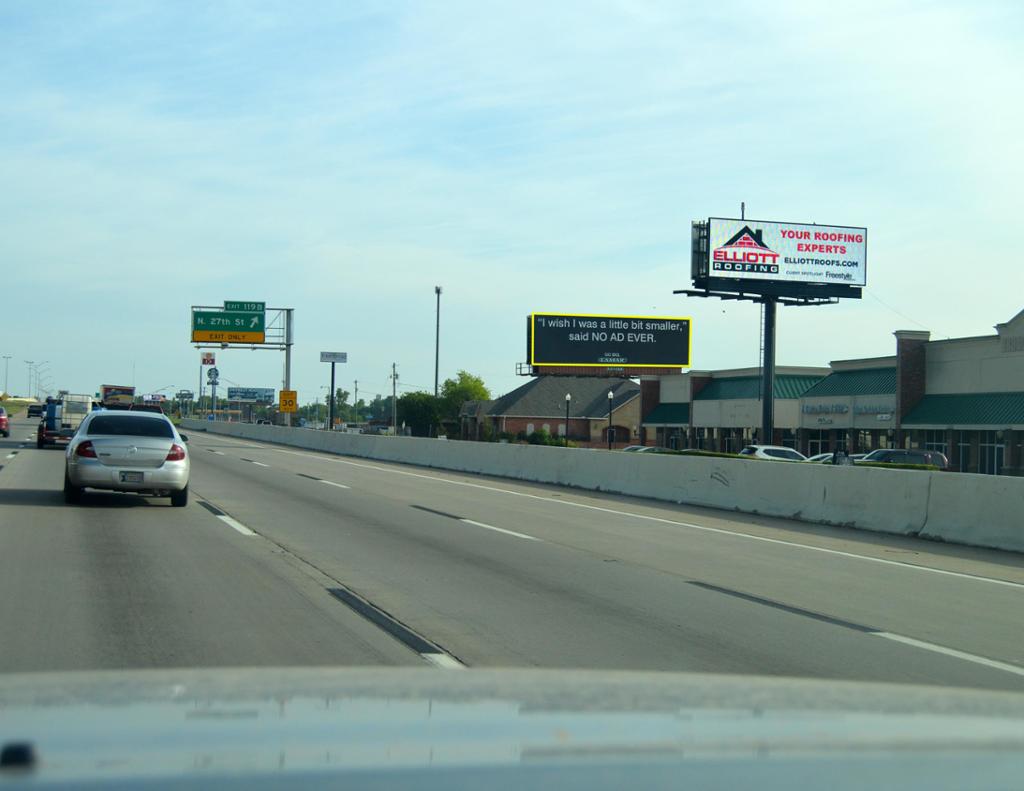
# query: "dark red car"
{"type": "Point", "coordinates": [5, 423]}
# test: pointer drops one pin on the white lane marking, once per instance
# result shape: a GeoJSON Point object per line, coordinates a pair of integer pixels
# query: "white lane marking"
{"type": "Point", "coordinates": [244, 444]}
{"type": "Point", "coordinates": [218, 452]}
{"type": "Point", "coordinates": [332, 483]}
{"type": "Point", "coordinates": [444, 661]}
{"type": "Point", "coordinates": [500, 530]}
{"type": "Point", "coordinates": [260, 464]}
{"type": "Point", "coordinates": [705, 528]}
{"type": "Point", "coordinates": [236, 525]}
{"type": "Point", "coordinates": [939, 649]}
{"type": "Point", "coordinates": [12, 455]}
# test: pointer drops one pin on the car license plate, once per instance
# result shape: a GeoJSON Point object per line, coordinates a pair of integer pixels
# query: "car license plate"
{"type": "Point", "coordinates": [131, 477]}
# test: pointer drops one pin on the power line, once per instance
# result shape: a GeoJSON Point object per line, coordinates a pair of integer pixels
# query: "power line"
{"type": "Point", "coordinates": [898, 313]}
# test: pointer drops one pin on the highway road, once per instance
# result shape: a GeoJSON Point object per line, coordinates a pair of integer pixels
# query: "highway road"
{"type": "Point", "coordinates": [290, 557]}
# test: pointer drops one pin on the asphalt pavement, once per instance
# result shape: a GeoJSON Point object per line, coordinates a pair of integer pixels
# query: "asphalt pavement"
{"type": "Point", "coordinates": [289, 557]}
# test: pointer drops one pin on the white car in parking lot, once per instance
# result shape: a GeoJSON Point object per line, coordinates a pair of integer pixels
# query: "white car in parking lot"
{"type": "Point", "coordinates": [772, 453]}
{"type": "Point", "coordinates": [127, 452]}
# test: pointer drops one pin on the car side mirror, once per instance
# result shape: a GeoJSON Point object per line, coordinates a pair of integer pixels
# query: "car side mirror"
{"type": "Point", "coordinates": [184, 437]}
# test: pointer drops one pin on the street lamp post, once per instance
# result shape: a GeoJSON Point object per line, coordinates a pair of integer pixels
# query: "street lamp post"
{"type": "Point", "coordinates": [7, 361]}
{"type": "Point", "coordinates": [39, 370]}
{"type": "Point", "coordinates": [437, 339]}
{"type": "Point", "coordinates": [611, 396]}
{"type": "Point", "coordinates": [568, 399]}
{"type": "Point", "coordinates": [29, 363]}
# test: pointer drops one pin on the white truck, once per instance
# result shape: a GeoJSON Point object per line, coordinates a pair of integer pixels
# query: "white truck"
{"type": "Point", "coordinates": [62, 418]}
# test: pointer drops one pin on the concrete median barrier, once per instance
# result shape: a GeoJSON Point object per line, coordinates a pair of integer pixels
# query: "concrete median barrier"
{"type": "Point", "coordinates": [968, 509]}
{"type": "Point", "coordinates": [982, 510]}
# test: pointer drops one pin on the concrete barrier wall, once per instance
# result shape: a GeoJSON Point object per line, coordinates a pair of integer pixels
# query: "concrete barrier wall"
{"type": "Point", "coordinates": [981, 510]}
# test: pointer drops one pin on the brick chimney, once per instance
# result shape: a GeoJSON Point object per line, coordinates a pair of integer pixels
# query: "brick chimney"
{"type": "Point", "coordinates": [650, 395]}
{"type": "Point", "coordinates": [910, 370]}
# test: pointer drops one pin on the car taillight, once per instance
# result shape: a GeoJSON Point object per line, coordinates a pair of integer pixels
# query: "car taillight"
{"type": "Point", "coordinates": [176, 453]}
{"type": "Point", "coordinates": [86, 450]}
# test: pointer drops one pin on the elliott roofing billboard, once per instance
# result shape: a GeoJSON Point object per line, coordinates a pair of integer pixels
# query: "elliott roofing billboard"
{"type": "Point", "coordinates": [787, 252]}
{"type": "Point", "coordinates": [601, 341]}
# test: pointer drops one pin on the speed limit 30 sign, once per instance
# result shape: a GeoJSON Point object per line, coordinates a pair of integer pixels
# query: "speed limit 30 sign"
{"type": "Point", "coordinates": [288, 401]}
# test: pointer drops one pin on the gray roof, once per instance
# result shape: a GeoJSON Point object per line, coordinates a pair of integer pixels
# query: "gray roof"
{"type": "Point", "coordinates": [544, 396]}
{"type": "Point", "coordinates": [474, 408]}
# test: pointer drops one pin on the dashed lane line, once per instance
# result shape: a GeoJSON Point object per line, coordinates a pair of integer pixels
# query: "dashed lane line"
{"type": "Point", "coordinates": [234, 524]}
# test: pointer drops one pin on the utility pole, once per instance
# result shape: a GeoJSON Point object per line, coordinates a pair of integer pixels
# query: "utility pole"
{"type": "Point", "coordinates": [437, 339]}
{"type": "Point", "coordinates": [29, 363]}
{"type": "Point", "coordinates": [355, 400]}
{"type": "Point", "coordinates": [7, 359]}
{"type": "Point", "coordinates": [394, 398]}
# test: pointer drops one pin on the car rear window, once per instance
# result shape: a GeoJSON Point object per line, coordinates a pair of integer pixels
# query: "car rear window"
{"type": "Point", "coordinates": [789, 455]}
{"type": "Point", "coordinates": [130, 426]}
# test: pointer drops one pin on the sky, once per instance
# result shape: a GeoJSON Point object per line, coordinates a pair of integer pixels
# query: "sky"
{"type": "Point", "coordinates": [343, 159]}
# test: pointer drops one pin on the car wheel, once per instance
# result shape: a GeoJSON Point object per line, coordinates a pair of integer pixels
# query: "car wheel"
{"type": "Point", "coordinates": [180, 499]}
{"type": "Point", "coordinates": [72, 494]}
{"type": "Point", "coordinates": [39, 442]}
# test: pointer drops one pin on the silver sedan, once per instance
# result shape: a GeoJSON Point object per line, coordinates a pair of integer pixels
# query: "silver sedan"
{"type": "Point", "coordinates": [127, 452]}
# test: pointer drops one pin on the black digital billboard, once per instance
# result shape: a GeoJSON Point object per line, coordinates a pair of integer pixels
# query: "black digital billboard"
{"type": "Point", "coordinates": [573, 339]}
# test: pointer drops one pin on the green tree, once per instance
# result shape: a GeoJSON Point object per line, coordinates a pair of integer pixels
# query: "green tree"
{"type": "Point", "coordinates": [455, 392]}
{"type": "Point", "coordinates": [420, 412]}
{"type": "Point", "coordinates": [380, 408]}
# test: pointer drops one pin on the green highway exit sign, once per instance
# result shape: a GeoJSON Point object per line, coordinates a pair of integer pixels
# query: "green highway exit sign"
{"type": "Point", "coordinates": [245, 307]}
{"type": "Point", "coordinates": [227, 326]}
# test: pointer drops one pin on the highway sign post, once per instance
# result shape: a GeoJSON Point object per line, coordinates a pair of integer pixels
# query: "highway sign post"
{"type": "Point", "coordinates": [288, 401]}
{"type": "Point", "coordinates": [245, 322]}
{"type": "Point", "coordinates": [332, 358]}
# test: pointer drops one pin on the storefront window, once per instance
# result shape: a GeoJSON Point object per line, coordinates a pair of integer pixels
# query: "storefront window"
{"type": "Point", "coordinates": [788, 438]}
{"type": "Point", "coordinates": [964, 447]}
{"type": "Point", "coordinates": [935, 439]}
{"type": "Point", "coordinates": [990, 453]}
{"type": "Point", "coordinates": [817, 442]}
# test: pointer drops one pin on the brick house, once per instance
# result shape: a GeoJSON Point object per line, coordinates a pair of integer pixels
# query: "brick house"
{"type": "Point", "coordinates": [540, 404]}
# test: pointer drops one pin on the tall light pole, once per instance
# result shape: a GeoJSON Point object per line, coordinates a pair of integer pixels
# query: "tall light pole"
{"type": "Point", "coordinates": [568, 400]}
{"type": "Point", "coordinates": [437, 339]}
{"type": "Point", "coordinates": [611, 396]}
{"type": "Point", "coordinates": [7, 361]}
{"type": "Point", "coordinates": [39, 371]}
{"type": "Point", "coordinates": [28, 392]}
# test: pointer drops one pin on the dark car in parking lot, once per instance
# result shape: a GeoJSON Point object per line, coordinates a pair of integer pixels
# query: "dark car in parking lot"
{"type": "Point", "coordinates": [899, 456]}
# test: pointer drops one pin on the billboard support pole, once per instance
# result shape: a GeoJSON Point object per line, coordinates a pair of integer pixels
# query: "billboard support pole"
{"type": "Point", "coordinates": [768, 374]}
{"type": "Point", "coordinates": [330, 407]}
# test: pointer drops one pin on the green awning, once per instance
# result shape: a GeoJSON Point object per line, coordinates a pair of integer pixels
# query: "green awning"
{"type": "Point", "coordinates": [867, 381]}
{"type": "Point", "coordinates": [786, 386]}
{"type": "Point", "coordinates": [988, 410]}
{"type": "Point", "coordinates": [669, 415]}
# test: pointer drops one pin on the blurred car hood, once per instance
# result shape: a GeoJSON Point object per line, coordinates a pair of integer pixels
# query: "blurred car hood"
{"type": "Point", "coordinates": [424, 728]}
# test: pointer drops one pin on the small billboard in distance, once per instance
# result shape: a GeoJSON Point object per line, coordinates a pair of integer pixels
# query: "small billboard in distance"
{"type": "Point", "coordinates": [606, 341]}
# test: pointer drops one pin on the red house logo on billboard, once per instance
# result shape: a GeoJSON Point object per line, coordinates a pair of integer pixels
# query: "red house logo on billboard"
{"type": "Point", "coordinates": [745, 252]}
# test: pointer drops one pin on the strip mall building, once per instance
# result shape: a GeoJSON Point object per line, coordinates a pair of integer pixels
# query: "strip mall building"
{"type": "Point", "coordinates": [964, 397]}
